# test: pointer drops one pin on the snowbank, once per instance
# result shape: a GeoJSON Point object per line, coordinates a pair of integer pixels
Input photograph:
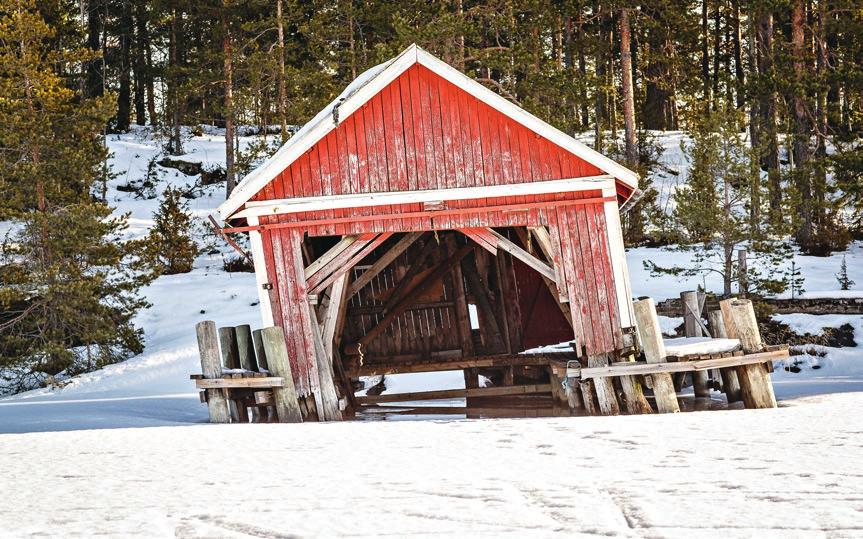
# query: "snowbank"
{"type": "Point", "coordinates": [788, 472]}
{"type": "Point", "coordinates": [683, 346]}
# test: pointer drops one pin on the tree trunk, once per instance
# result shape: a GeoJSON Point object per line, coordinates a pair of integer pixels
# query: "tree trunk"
{"type": "Point", "coordinates": [124, 95]}
{"type": "Point", "coordinates": [737, 38]}
{"type": "Point", "coordinates": [139, 65]}
{"type": "Point", "coordinates": [769, 142]}
{"type": "Point", "coordinates": [227, 51]}
{"type": "Point", "coordinates": [95, 27]}
{"type": "Point", "coordinates": [582, 68]}
{"type": "Point", "coordinates": [754, 133]}
{"type": "Point", "coordinates": [628, 98]}
{"type": "Point", "coordinates": [800, 111]}
{"type": "Point", "coordinates": [601, 94]}
{"type": "Point", "coordinates": [176, 142]}
{"type": "Point", "coordinates": [819, 186]}
{"type": "Point", "coordinates": [705, 53]}
{"type": "Point", "coordinates": [717, 53]}
{"type": "Point", "coordinates": [283, 94]}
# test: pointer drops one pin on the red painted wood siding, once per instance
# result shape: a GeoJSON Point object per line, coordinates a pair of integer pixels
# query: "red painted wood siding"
{"type": "Point", "coordinates": [423, 132]}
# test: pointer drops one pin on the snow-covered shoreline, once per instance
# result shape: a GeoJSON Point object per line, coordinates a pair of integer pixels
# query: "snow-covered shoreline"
{"type": "Point", "coordinates": [752, 473]}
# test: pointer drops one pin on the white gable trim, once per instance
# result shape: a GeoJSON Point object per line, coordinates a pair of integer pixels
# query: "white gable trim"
{"type": "Point", "coordinates": [298, 145]}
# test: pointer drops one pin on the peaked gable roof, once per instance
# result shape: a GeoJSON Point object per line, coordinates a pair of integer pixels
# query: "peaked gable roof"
{"type": "Point", "coordinates": [370, 83]}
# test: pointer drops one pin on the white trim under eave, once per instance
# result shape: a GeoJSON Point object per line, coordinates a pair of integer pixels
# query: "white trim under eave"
{"type": "Point", "coordinates": [362, 200]}
{"type": "Point", "coordinates": [619, 269]}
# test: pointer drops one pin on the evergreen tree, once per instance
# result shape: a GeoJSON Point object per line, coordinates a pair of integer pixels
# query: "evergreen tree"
{"type": "Point", "coordinates": [845, 282]}
{"type": "Point", "coordinates": [711, 211]}
{"type": "Point", "coordinates": [169, 247]}
{"type": "Point", "coordinates": [69, 284]}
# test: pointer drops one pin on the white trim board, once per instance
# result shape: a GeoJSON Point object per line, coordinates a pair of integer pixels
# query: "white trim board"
{"type": "Point", "coordinates": [362, 200]}
{"type": "Point", "coordinates": [381, 76]}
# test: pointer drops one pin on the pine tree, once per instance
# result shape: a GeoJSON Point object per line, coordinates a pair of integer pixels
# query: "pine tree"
{"type": "Point", "coordinates": [169, 247]}
{"type": "Point", "coordinates": [69, 283]}
{"type": "Point", "coordinates": [845, 282]}
{"type": "Point", "coordinates": [711, 210]}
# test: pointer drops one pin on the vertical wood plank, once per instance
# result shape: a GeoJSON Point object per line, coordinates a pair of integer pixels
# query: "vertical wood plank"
{"type": "Point", "coordinates": [211, 367]}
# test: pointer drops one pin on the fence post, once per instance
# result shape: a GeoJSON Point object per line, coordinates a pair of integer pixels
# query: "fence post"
{"type": "Point", "coordinates": [211, 367]}
{"type": "Point", "coordinates": [653, 346]}
{"type": "Point", "coordinates": [740, 323]}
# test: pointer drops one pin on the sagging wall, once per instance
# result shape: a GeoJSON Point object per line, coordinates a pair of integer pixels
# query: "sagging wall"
{"type": "Point", "coordinates": [582, 262]}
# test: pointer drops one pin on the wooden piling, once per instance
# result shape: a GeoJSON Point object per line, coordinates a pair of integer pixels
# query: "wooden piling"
{"type": "Point", "coordinates": [246, 352]}
{"type": "Point", "coordinates": [692, 302]}
{"type": "Point", "coordinates": [211, 367]}
{"type": "Point", "coordinates": [285, 397]}
{"type": "Point", "coordinates": [261, 360]}
{"type": "Point", "coordinates": [604, 387]}
{"type": "Point", "coordinates": [652, 345]}
{"type": "Point", "coordinates": [740, 323]}
{"type": "Point", "coordinates": [635, 401]}
{"type": "Point", "coordinates": [231, 360]}
{"type": "Point", "coordinates": [730, 383]}
{"type": "Point", "coordinates": [329, 397]}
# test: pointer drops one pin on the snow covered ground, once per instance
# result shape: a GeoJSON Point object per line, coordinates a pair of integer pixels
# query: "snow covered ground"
{"type": "Point", "coordinates": [790, 472]}
{"type": "Point", "coordinates": [77, 462]}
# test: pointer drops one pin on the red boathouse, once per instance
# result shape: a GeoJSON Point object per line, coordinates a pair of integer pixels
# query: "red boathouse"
{"type": "Point", "coordinates": [422, 222]}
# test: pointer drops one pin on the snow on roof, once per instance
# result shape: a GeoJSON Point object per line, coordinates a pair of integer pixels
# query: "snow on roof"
{"type": "Point", "coordinates": [367, 85]}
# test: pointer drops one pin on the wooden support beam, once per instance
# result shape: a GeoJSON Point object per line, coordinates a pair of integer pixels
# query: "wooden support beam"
{"type": "Point", "coordinates": [211, 367]}
{"type": "Point", "coordinates": [548, 244]}
{"type": "Point", "coordinates": [231, 360]}
{"type": "Point", "coordinates": [286, 401]}
{"type": "Point", "coordinates": [625, 368]}
{"type": "Point", "coordinates": [246, 349]}
{"type": "Point", "coordinates": [332, 312]}
{"type": "Point", "coordinates": [385, 260]}
{"type": "Point", "coordinates": [329, 397]}
{"type": "Point", "coordinates": [557, 286]}
{"type": "Point", "coordinates": [604, 387]}
{"type": "Point", "coordinates": [316, 282]}
{"type": "Point", "coordinates": [730, 383]}
{"type": "Point", "coordinates": [650, 336]}
{"type": "Point", "coordinates": [456, 394]}
{"type": "Point", "coordinates": [692, 301]}
{"type": "Point", "coordinates": [408, 281]}
{"type": "Point", "coordinates": [516, 251]}
{"type": "Point", "coordinates": [508, 360]}
{"type": "Point", "coordinates": [422, 287]}
{"type": "Point", "coordinates": [740, 323]}
{"type": "Point", "coordinates": [223, 383]}
{"type": "Point", "coordinates": [350, 263]}
{"type": "Point", "coordinates": [327, 257]}
{"type": "Point", "coordinates": [489, 327]}
{"type": "Point", "coordinates": [482, 237]}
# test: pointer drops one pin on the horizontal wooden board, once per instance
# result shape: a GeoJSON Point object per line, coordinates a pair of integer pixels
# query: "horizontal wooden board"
{"type": "Point", "coordinates": [456, 394]}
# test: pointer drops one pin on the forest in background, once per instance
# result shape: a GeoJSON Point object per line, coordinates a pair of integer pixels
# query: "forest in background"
{"type": "Point", "coordinates": [768, 92]}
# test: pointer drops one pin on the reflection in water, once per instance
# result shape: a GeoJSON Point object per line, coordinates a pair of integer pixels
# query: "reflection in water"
{"type": "Point", "coordinates": [456, 409]}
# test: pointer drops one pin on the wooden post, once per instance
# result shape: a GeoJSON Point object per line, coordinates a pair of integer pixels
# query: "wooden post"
{"type": "Point", "coordinates": [740, 323]}
{"type": "Point", "coordinates": [636, 402]}
{"type": "Point", "coordinates": [285, 397]}
{"type": "Point", "coordinates": [211, 367]}
{"type": "Point", "coordinates": [231, 360]}
{"type": "Point", "coordinates": [730, 383]}
{"type": "Point", "coordinates": [604, 386]}
{"type": "Point", "coordinates": [691, 303]}
{"type": "Point", "coordinates": [652, 345]}
{"type": "Point", "coordinates": [246, 350]}
{"type": "Point", "coordinates": [329, 397]}
{"type": "Point", "coordinates": [268, 413]}
{"type": "Point", "coordinates": [260, 353]}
